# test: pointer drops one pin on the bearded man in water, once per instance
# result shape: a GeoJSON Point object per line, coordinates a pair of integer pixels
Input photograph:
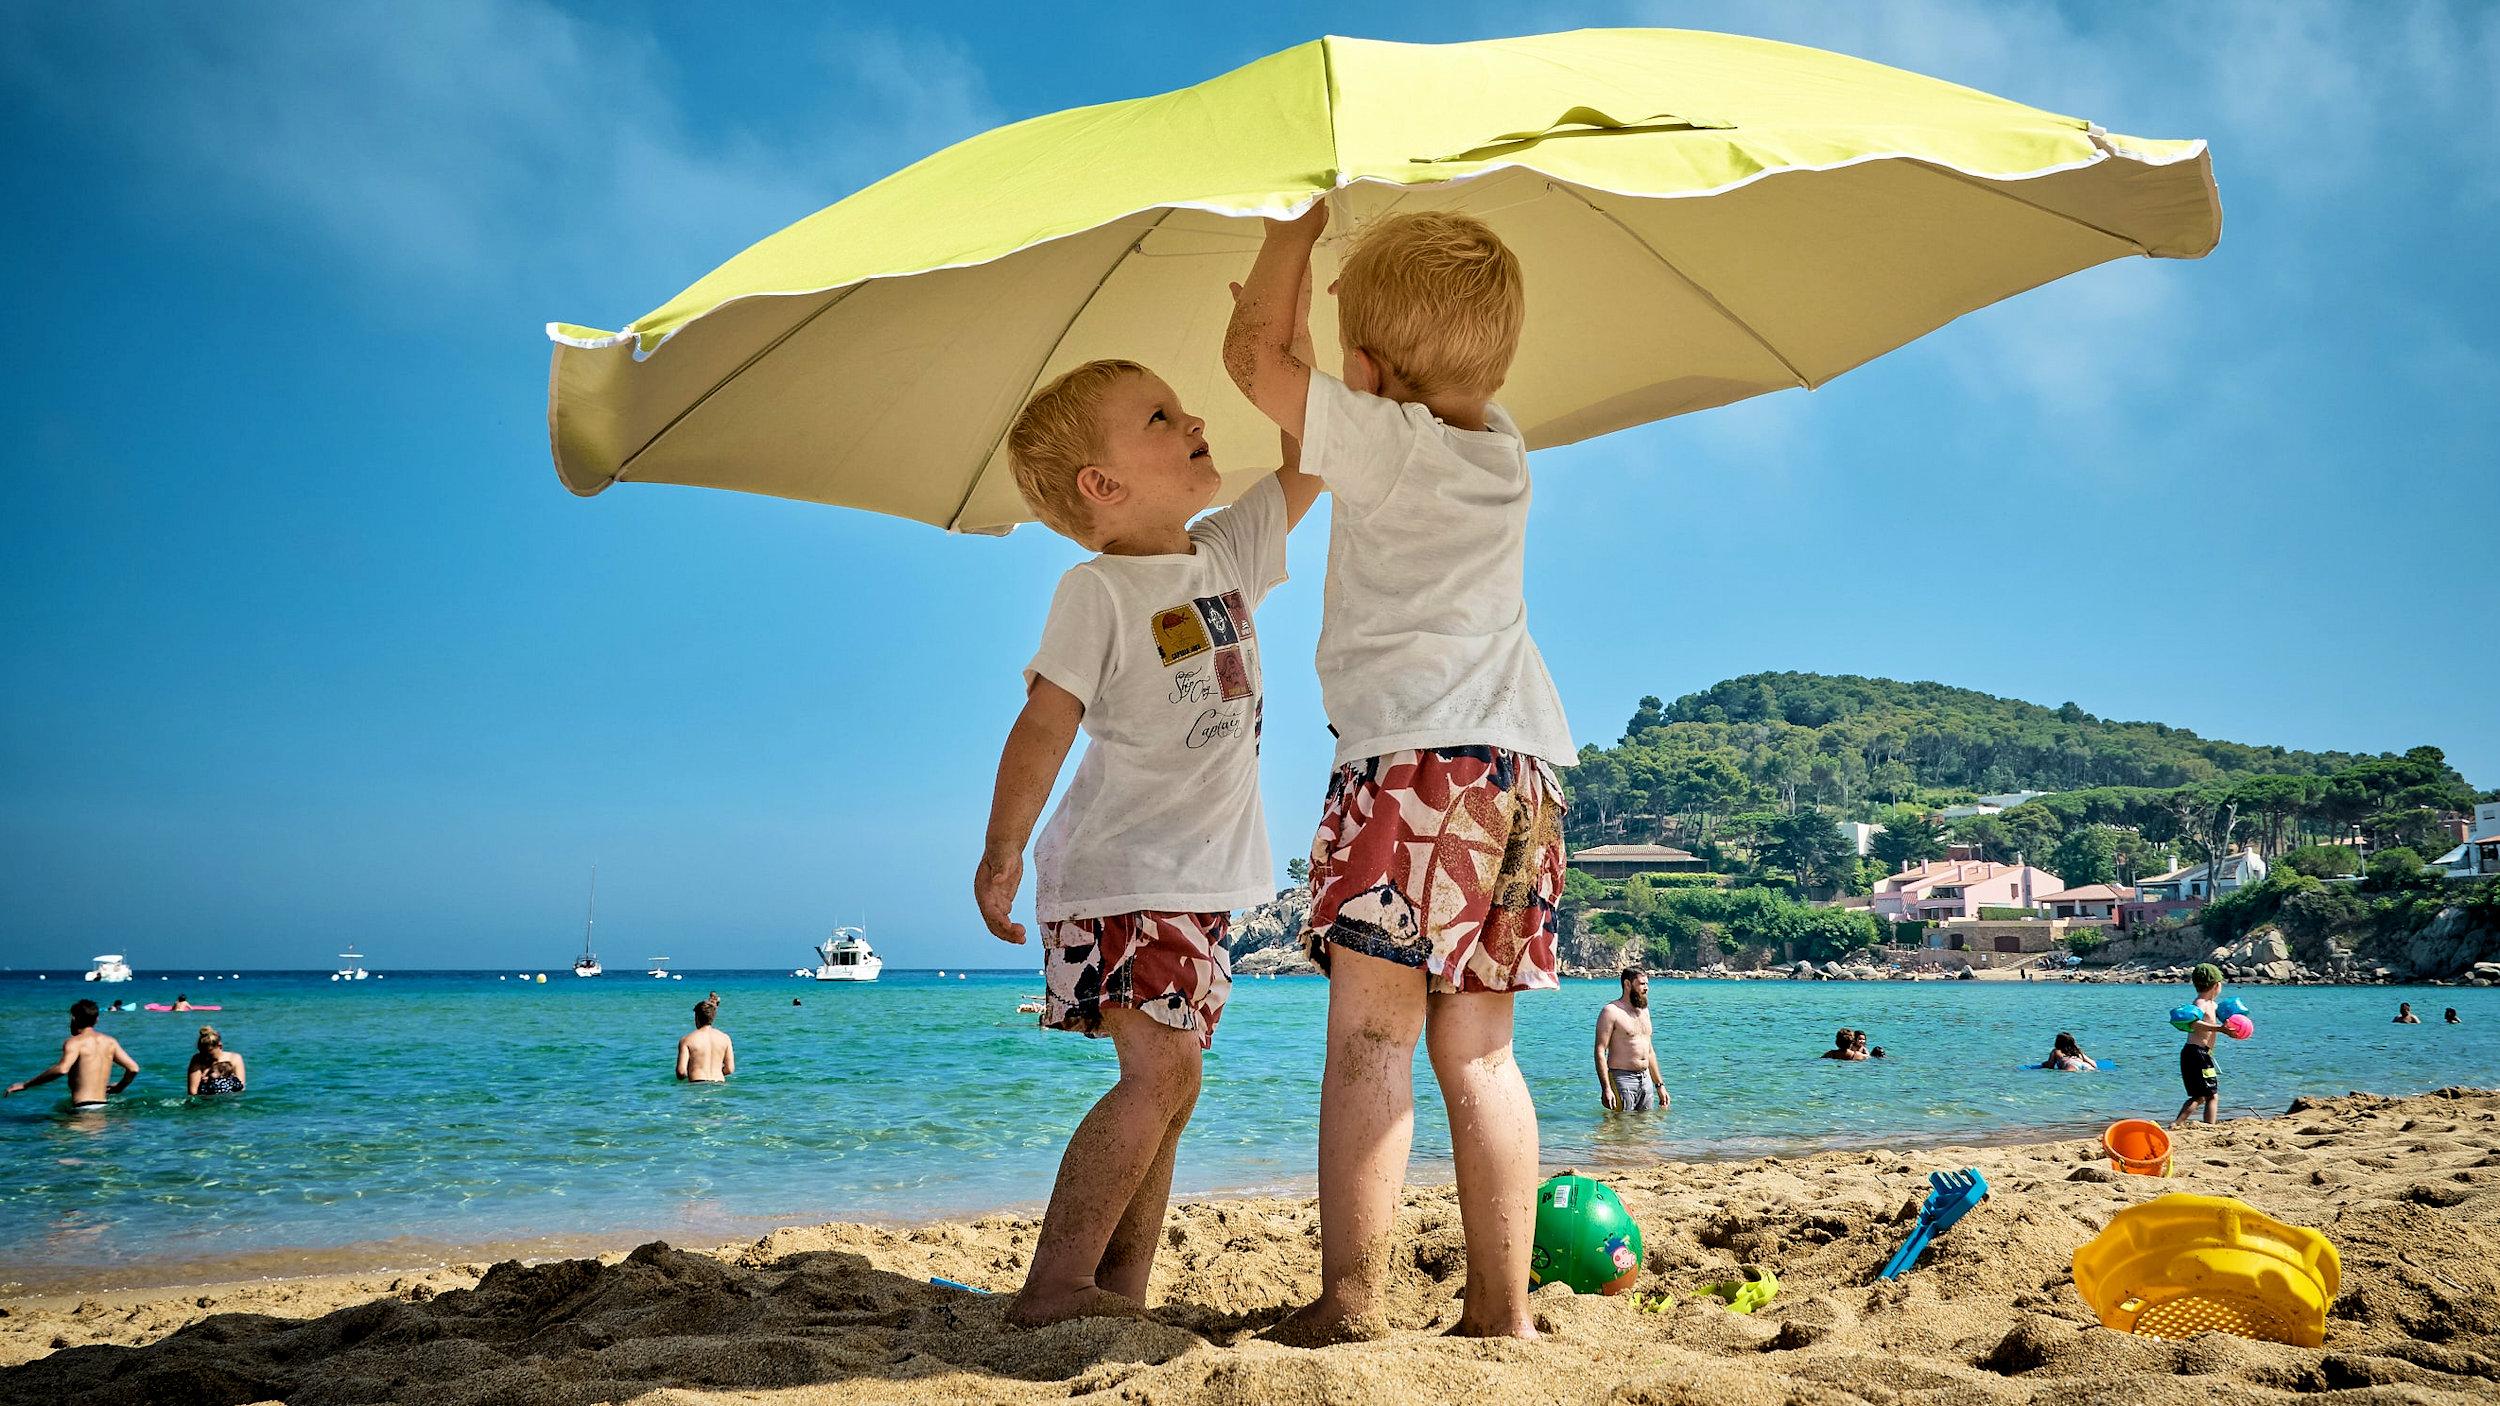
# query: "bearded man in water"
{"type": "Point", "coordinates": [1627, 1062]}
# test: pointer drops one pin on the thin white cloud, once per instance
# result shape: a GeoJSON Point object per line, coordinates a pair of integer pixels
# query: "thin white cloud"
{"type": "Point", "coordinates": [462, 143]}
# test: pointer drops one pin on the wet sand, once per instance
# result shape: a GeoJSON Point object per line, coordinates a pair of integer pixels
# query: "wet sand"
{"type": "Point", "coordinates": [2408, 1189]}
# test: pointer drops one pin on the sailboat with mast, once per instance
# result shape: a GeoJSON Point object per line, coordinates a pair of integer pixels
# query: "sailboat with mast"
{"type": "Point", "coordinates": [588, 963]}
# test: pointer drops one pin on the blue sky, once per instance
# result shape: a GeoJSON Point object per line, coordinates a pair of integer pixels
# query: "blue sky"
{"type": "Point", "coordinates": [303, 643]}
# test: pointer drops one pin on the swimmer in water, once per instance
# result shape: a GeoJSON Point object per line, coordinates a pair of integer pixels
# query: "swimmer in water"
{"type": "Point", "coordinates": [87, 1056]}
{"type": "Point", "coordinates": [215, 1069]}
{"type": "Point", "coordinates": [2067, 1056]}
{"type": "Point", "coordinates": [704, 1054]}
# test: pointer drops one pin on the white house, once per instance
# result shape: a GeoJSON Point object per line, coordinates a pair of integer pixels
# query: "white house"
{"type": "Point", "coordinates": [1860, 835]}
{"type": "Point", "coordinates": [2479, 856]}
{"type": "Point", "coordinates": [2240, 868]}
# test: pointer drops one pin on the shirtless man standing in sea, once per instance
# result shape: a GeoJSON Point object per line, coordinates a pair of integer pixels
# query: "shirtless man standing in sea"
{"type": "Point", "coordinates": [1627, 1063]}
{"type": "Point", "coordinates": [704, 1054]}
{"type": "Point", "coordinates": [87, 1056]}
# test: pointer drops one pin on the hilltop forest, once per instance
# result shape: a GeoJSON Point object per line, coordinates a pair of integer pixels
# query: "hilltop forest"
{"type": "Point", "coordinates": [1754, 772]}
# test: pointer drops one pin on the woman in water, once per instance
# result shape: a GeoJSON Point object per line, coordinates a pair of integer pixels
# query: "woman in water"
{"type": "Point", "coordinates": [215, 1069]}
{"type": "Point", "coordinates": [2067, 1056]}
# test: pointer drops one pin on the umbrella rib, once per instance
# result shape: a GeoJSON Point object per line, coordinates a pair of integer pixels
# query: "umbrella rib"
{"type": "Point", "coordinates": [761, 352]}
{"type": "Point", "coordinates": [2004, 194]}
{"type": "Point", "coordinates": [1686, 279]}
{"type": "Point", "coordinates": [981, 467]}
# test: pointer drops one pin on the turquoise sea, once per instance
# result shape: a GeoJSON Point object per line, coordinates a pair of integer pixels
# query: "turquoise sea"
{"type": "Point", "coordinates": [451, 1114]}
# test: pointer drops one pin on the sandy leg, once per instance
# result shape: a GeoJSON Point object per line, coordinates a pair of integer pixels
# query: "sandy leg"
{"type": "Point", "coordinates": [1493, 1139]}
{"type": "Point", "coordinates": [1130, 1257]}
{"type": "Point", "coordinates": [1111, 1157]}
{"type": "Point", "coordinates": [1366, 1128]}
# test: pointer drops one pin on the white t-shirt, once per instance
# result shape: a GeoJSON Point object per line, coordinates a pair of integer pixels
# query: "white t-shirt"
{"type": "Point", "coordinates": [1423, 638]}
{"type": "Point", "coordinates": [1164, 811]}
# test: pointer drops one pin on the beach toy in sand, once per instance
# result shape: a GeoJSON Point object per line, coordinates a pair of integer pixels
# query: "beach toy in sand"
{"type": "Point", "coordinates": [957, 1284]}
{"type": "Point", "coordinates": [2179, 1265]}
{"type": "Point", "coordinates": [1950, 1198]}
{"type": "Point", "coordinates": [2139, 1146]}
{"type": "Point", "coordinates": [2239, 1027]}
{"type": "Point", "coordinates": [1584, 1238]}
{"type": "Point", "coordinates": [1743, 1295]}
{"type": "Point", "coordinates": [2185, 1017]}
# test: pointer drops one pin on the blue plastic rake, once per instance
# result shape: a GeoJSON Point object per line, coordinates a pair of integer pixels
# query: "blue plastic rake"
{"type": "Point", "coordinates": [1953, 1194]}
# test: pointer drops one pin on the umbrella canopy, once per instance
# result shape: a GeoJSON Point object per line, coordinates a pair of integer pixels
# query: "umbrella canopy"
{"type": "Point", "coordinates": [1701, 218]}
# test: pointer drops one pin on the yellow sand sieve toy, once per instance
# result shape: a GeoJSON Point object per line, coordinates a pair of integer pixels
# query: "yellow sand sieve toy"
{"type": "Point", "coordinates": [2180, 1265]}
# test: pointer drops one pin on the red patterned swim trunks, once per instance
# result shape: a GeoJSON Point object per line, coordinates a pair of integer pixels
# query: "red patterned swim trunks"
{"type": "Point", "coordinates": [1172, 966]}
{"type": "Point", "coordinates": [1450, 860]}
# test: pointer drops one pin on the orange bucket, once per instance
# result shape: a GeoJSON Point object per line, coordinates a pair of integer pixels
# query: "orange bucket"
{"type": "Point", "coordinates": [2135, 1145]}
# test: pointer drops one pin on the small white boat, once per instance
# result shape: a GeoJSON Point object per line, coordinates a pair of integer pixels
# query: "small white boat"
{"type": "Point", "coordinates": [659, 969]}
{"type": "Point", "coordinates": [846, 956]}
{"type": "Point", "coordinates": [110, 967]}
{"type": "Point", "coordinates": [351, 966]}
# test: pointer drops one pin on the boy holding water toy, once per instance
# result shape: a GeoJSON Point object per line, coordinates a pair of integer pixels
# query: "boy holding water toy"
{"type": "Point", "coordinates": [1438, 861]}
{"type": "Point", "coordinates": [2196, 1057]}
{"type": "Point", "coordinates": [1149, 647]}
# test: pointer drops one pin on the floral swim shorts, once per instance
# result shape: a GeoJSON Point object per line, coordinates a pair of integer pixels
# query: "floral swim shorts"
{"type": "Point", "coordinates": [1450, 860]}
{"type": "Point", "coordinates": [1172, 966]}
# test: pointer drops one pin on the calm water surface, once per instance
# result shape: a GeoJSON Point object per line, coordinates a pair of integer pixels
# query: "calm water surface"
{"type": "Point", "coordinates": [388, 1119]}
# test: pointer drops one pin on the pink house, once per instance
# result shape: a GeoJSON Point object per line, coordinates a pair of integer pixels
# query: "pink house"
{"type": "Point", "coordinates": [1959, 888]}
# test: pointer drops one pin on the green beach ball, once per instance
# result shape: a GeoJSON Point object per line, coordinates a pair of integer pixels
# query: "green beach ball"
{"type": "Point", "coordinates": [1584, 1238]}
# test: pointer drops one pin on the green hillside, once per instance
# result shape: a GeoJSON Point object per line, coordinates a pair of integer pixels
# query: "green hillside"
{"type": "Point", "coordinates": [1854, 748]}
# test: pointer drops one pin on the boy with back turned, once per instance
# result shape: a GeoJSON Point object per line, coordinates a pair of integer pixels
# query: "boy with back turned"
{"type": "Point", "coordinates": [1438, 859]}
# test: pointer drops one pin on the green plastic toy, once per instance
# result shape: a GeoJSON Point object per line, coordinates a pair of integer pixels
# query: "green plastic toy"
{"type": "Point", "coordinates": [1584, 1238]}
{"type": "Point", "coordinates": [1756, 1288]}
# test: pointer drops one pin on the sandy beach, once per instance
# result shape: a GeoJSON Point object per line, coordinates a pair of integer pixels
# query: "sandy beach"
{"type": "Point", "coordinates": [2408, 1189]}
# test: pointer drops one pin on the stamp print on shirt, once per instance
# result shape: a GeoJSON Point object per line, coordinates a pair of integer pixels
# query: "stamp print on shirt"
{"type": "Point", "coordinates": [1219, 620]}
{"type": "Point", "coordinates": [1180, 634]}
{"type": "Point", "coordinates": [1240, 614]}
{"type": "Point", "coordinates": [1232, 673]}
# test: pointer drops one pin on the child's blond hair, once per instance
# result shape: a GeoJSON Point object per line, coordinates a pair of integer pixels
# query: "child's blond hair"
{"type": "Point", "coordinates": [1055, 436]}
{"type": "Point", "coordinates": [1438, 298]}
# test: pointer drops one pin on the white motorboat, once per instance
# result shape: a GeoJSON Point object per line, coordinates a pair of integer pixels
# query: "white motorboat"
{"type": "Point", "coordinates": [846, 956]}
{"type": "Point", "coordinates": [587, 964]}
{"type": "Point", "coordinates": [110, 967]}
{"type": "Point", "coordinates": [351, 966]}
{"type": "Point", "coordinates": [659, 969]}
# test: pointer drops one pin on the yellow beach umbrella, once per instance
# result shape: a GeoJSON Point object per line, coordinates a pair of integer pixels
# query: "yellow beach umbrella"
{"type": "Point", "coordinates": [1701, 217]}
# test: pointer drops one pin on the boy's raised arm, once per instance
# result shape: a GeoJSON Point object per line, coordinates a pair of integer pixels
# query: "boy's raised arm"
{"type": "Point", "coordinates": [1027, 766]}
{"type": "Point", "coordinates": [1259, 350]}
{"type": "Point", "coordinates": [1301, 489]}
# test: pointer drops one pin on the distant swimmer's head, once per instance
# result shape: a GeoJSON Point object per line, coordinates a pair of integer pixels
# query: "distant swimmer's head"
{"type": "Point", "coordinates": [209, 1039]}
{"type": "Point", "coordinates": [1843, 1038]}
{"type": "Point", "coordinates": [2207, 977]}
{"type": "Point", "coordinates": [1106, 450]}
{"type": "Point", "coordinates": [706, 1009]}
{"type": "Point", "coordinates": [2066, 1045]}
{"type": "Point", "coordinates": [82, 1014]}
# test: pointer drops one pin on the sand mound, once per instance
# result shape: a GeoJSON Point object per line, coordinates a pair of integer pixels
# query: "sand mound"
{"type": "Point", "coordinates": [2409, 1190]}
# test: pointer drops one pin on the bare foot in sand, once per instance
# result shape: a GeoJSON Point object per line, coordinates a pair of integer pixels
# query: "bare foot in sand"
{"type": "Point", "coordinates": [1030, 1310]}
{"type": "Point", "coordinates": [1323, 1324]}
{"type": "Point", "coordinates": [1525, 1328]}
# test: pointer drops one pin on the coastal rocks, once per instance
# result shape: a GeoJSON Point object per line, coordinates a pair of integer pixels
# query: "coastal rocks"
{"type": "Point", "coordinates": [1266, 940]}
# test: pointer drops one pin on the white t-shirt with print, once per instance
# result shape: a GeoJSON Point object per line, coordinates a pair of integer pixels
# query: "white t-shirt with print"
{"type": "Point", "coordinates": [1163, 813]}
{"type": "Point", "coordinates": [1423, 638]}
